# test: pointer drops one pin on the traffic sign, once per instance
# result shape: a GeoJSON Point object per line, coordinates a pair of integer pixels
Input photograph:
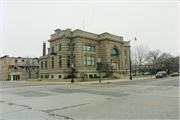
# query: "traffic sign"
{"type": "Point", "coordinates": [72, 65]}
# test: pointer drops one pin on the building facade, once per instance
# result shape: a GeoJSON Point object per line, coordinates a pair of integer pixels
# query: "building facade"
{"type": "Point", "coordinates": [86, 48]}
{"type": "Point", "coordinates": [15, 68]}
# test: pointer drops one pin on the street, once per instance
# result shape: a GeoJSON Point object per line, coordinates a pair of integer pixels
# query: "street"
{"type": "Point", "coordinates": [131, 99]}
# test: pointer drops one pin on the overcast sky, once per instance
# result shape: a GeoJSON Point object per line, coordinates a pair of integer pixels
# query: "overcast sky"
{"type": "Point", "coordinates": [25, 25]}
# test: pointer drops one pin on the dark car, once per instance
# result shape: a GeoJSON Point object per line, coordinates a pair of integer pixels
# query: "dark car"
{"type": "Point", "coordinates": [147, 73]}
{"type": "Point", "coordinates": [175, 74]}
{"type": "Point", "coordinates": [161, 74]}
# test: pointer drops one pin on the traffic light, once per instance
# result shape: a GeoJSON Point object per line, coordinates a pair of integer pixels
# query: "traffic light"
{"type": "Point", "coordinates": [100, 65]}
{"type": "Point", "coordinates": [73, 70]}
{"type": "Point", "coordinates": [97, 65]}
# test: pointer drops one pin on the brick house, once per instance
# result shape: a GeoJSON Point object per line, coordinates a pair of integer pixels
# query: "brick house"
{"type": "Point", "coordinates": [14, 68]}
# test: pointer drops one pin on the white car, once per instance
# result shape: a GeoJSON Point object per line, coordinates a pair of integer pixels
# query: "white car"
{"type": "Point", "coordinates": [147, 73]}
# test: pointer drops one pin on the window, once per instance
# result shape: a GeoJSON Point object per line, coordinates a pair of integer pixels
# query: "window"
{"type": "Point", "coordinates": [59, 47]}
{"type": "Point", "coordinates": [125, 53]}
{"type": "Point", "coordinates": [45, 64]}
{"type": "Point", "coordinates": [41, 65]}
{"type": "Point", "coordinates": [93, 60]}
{"type": "Point", "coordinates": [52, 76]}
{"type": "Point", "coordinates": [4, 61]}
{"type": "Point", "coordinates": [73, 46]}
{"type": "Point", "coordinates": [88, 48]}
{"type": "Point", "coordinates": [59, 76]}
{"type": "Point", "coordinates": [114, 52]}
{"type": "Point", "coordinates": [9, 61]}
{"type": "Point", "coordinates": [52, 49]}
{"type": "Point", "coordinates": [22, 60]}
{"type": "Point", "coordinates": [89, 60]}
{"type": "Point", "coordinates": [46, 76]}
{"type": "Point", "coordinates": [125, 62]}
{"type": "Point", "coordinates": [15, 61]}
{"type": "Point", "coordinates": [93, 49]}
{"type": "Point", "coordinates": [41, 76]}
{"type": "Point", "coordinates": [59, 61]}
{"type": "Point", "coordinates": [68, 61]}
{"type": "Point", "coordinates": [52, 62]}
{"type": "Point", "coordinates": [84, 48]}
{"type": "Point", "coordinates": [85, 60]}
{"type": "Point", "coordinates": [68, 47]}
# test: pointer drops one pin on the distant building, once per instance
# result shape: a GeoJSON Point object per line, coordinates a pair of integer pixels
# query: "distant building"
{"type": "Point", "coordinates": [14, 68]}
{"type": "Point", "coordinates": [87, 49]}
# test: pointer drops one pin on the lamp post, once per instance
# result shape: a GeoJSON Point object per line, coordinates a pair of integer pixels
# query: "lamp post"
{"type": "Point", "coordinates": [72, 81]}
{"type": "Point", "coordinates": [130, 55]}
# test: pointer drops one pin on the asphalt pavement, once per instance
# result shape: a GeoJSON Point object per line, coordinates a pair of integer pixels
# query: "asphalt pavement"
{"type": "Point", "coordinates": [142, 98]}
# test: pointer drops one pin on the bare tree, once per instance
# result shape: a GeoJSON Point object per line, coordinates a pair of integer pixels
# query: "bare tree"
{"type": "Point", "coordinates": [166, 59]}
{"type": "Point", "coordinates": [106, 67]}
{"type": "Point", "coordinates": [176, 61]}
{"type": "Point", "coordinates": [140, 55]}
{"type": "Point", "coordinates": [153, 55]}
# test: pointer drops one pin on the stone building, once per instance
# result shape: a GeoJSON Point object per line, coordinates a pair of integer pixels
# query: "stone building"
{"type": "Point", "coordinates": [14, 68]}
{"type": "Point", "coordinates": [87, 49]}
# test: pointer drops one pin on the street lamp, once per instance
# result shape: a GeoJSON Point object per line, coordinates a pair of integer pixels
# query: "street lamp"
{"type": "Point", "coordinates": [72, 81]}
{"type": "Point", "coordinates": [130, 55]}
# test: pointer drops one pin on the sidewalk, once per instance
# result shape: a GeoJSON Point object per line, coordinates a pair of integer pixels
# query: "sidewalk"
{"type": "Point", "coordinates": [117, 80]}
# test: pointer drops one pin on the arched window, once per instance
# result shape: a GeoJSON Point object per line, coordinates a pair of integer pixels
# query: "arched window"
{"type": "Point", "coordinates": [114, 52]}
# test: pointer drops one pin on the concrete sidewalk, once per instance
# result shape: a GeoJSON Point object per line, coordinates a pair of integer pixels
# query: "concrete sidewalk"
{"type": "Point", "coordinates": [117, 80]}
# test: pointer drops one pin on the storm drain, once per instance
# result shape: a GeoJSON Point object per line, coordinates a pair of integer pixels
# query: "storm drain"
{"type": "Point", "coordinates": [32, 94]}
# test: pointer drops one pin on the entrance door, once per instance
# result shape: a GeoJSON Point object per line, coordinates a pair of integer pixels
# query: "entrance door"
{"type": "Point", "coordinates": [115, 66]}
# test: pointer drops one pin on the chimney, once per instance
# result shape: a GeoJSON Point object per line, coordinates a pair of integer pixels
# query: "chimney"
{"type": "Point", "coordinates": [44, 48]}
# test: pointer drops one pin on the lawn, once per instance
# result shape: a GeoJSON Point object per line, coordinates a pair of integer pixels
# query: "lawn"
{"type": "Point", "coordinates": [68, 80]}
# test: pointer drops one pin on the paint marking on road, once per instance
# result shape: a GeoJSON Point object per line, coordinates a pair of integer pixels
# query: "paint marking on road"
{"type": "Point", "coordinates": [149, 104]}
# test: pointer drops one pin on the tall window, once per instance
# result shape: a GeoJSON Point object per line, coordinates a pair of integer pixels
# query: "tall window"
{"type": "Point", "coordinates": [68, 61]}
{"type": "Point", "coordinates": [45, 64]}
{"type": "Point", "coordinates": [52, 49]}
{"type": "Point", "coordinates": [125, 53]}
{"type": "Point", "coordinates": [84, 48]}
{"type": "Point", "coordinates": [59, 61]}
{"type": "Point", "coordinates": [88, 48]}
{"type": "Point", "coordinates": [93, 60]}
{"type": "Point", "coordinates": [125, 62]}
{"type": "Point", "coordinates": [68, 47]}
{"type": "Point", "coordinates": [114, 52]}
{"type": "Point", "coordinates": [15, 61]}
{"type": "Point", "coordinates": [93, 48]}
{"type": "Point", "coordinates": [59, 47]}
{"type": "Point", "coordinates": [85, 60]}
{"type": "Point", "coordinates": [73, 46]}
{"type": "Point", "coordinates": [89, 60]}
{"type": "Point", "coordinates": [41, 65]}
{"type": "Point", "coordinates": [52, 62]}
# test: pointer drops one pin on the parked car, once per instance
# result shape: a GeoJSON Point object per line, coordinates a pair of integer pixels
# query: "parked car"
{"type": "Point", "coordinates": [161, 74]}
{"type": "Point", "coordinates": [147, 73]}
{"type": "Point", "coordinates": [175, 74]}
